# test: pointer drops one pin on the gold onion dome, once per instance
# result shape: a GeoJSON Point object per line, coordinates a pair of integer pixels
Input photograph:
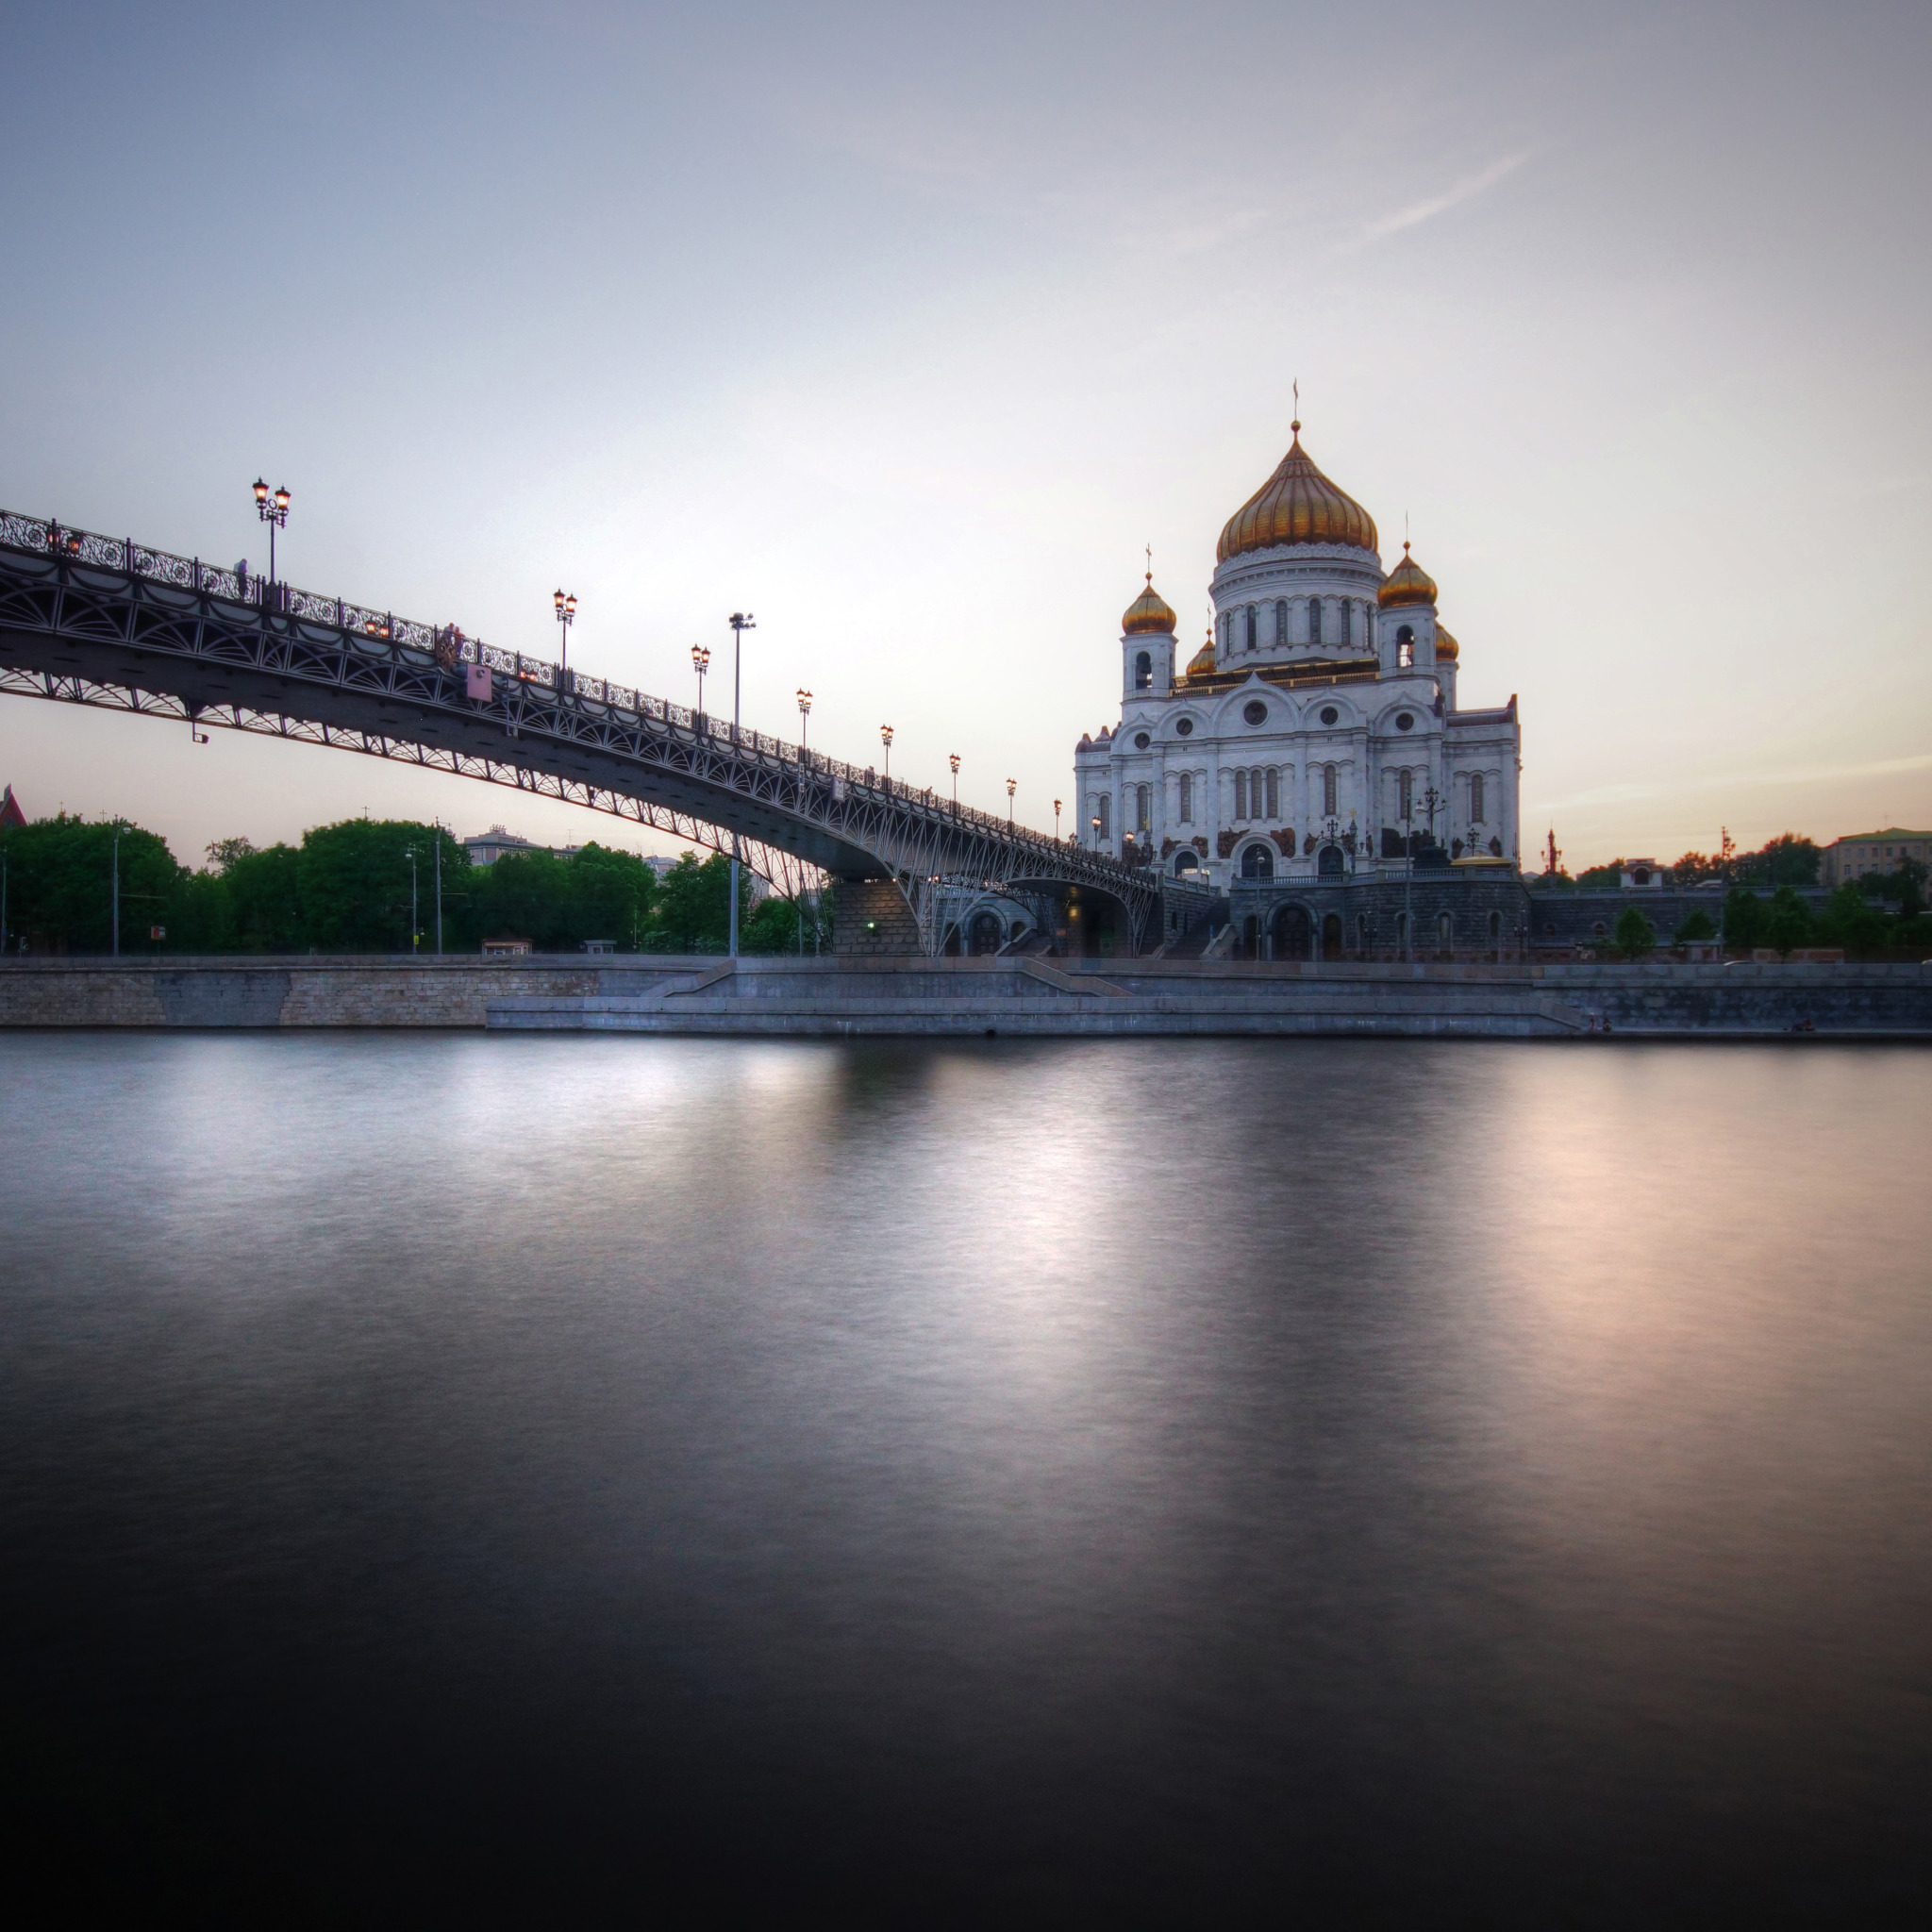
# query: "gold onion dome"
{"type": "Point", "coordinates": [1408, 583]}
{"type": "Point", "coordinates": [1202, 663]}
{"type": "Point", "coordinates": [1148, 612]}
{"type": "Point", "coordinates": [1447, 649]}
{"type": "Point", "coordinates": [1296, 505]}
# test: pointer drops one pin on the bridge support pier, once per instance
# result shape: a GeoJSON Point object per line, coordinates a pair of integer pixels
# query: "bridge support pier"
{"type": "Point", "coordinates": [871, 919]}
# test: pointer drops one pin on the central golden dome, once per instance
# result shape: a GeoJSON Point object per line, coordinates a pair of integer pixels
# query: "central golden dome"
{"type": "Point", "coordinates": [1296, 505]}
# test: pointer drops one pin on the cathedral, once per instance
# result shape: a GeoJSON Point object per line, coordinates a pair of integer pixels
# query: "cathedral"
{"type": "Point", "coordinates": [1312, 756]}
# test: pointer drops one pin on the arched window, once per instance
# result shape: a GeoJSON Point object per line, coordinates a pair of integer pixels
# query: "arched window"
{"type": "Point", "coordinates": [1475, 799]}
{"type": "Point", "coordinates": [1405, 648]}
{"type": "Point", "coordinates": [1495, 925]}
{"type": "Point", "coordinates": [1328, 777]}
{"type": "Point", "coordinates": [1405, 794]}
{"type": "Point", "coordinates": [1347, 622]}
{"type": "Point", "coordinates": [1185, 861]}
{"type": "Point", "coordinates": [1258, 863]}
{"type": "Point", "coordinates": [1281, 619]}
{"type": "Point", "coordinates": [1445, 929]}
{"type": "Point", "coordinates": [1103, 810]}
{"type": "Point", "coordinates": [1273, 792]}
{"type": "Point", "coordinates": [1251, 627]}
{"type": "Point", "coordinates": [1143, 670]}
{"type": "Point", "coordinates": [1314, 620]}
{"type": "Point", "coordinates": [1187, 810]}
{"type": "Point", "coordinates": [1144, 808]}
{"type": "Point", "coordinates": [1402, 932]}
{"type": "Point", "coordinates": [1361, 933]}
{"type": "Point", "coordinates": [1240, 795]}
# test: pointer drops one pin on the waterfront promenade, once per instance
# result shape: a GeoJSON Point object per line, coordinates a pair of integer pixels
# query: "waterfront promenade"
{"type": "Point", "coordinates": [646, 993]}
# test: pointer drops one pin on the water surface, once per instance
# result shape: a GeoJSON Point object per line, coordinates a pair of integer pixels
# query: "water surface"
{"type": "Point", "coordinates": [1404, 1482]}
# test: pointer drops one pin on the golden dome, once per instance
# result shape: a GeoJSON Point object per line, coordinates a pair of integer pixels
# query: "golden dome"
{"type": "Point", "coordinates": [1296, 505]}
{"type": "Point", "coordinates": [1408, 583]}
{"type": "Point", "coordinates": [1148, 612]}
{"type": "Point", "coordinates": [1447, 649]}
{"type": "Point", "coordinates": [1202, 663]}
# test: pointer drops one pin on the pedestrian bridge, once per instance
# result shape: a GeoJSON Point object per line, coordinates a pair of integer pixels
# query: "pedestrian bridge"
{"type": "Point", "coordinates": [109, 623]}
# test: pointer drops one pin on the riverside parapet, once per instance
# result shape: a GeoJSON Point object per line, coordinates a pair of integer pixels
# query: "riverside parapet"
{"type": "Point", "coordinates": [646, 993]}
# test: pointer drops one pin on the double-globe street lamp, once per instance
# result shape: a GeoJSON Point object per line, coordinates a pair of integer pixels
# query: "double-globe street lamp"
{"type": "Point", "coordinates": [701, 663]}
{"type": "Point", "coordinates": [886, 740]}
{"type": "Point", "coordinates": [273, 511]}
{"type": "Point", "coordinates": [804, 714]}
{"type": "Point", "coordinates": [742, 621]}
{"type": "Point", "coordinates": [953, 760]}
{"type": "Point", "coordinates": [1012, 785]}
{"type": "Point", "coordinates": [566, 615]}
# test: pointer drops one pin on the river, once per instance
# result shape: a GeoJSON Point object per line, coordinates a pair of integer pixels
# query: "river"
{"type": "Point", "coordinates": [1395, 1481]}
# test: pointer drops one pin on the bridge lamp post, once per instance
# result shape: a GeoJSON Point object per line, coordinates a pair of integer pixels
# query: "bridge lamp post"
{"type": "Point", "coordinates": [701, 663]}
{"type": "Point", "coordinates": [742, 621]}
{"type": "Point", "coordinates": [273, 511]}
{"type": "Point", "coordinates": [566, 616]}
{"type": "Point", "coordinates": [886, 740]}
{"type": "Point", "coordinates": [953, 760]}
{"type": "Point", "coordinates": [409, 853]}
{"type": "Point", "coordinates": [1096, 831]}
{"type": "Point", "coordinates": [1056, 822]}
{"type": "Point", "coordinates": [1012, 785]}
{"type": "Point", "coordinates": [804, 715]}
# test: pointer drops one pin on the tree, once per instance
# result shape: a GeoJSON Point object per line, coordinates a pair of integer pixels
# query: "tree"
{"type": "Point", "coordinates": [1787, 925]}
{"type": "Point", "coordinates": [1746, 919]}
{"type": "Point", "coordinates": [693, 908]}
{"type": "Point", "coordinates": [260, 900]}
{"type": "Point", "coordinates": [60, 884]}
{"type": "Point", "coordinates": [1600, 878]}
{"type": "Point", "coordinates": [353, 879]}
{"type": "Point", "coordinates": [1849, 921]}
{"type": "Point", "coordinates": [1697, 869]}
{"type": "Point", "coordinates": [1695, 925]}
{"type": "Point", "coordinates": [1905, 883]}
{"type": "Point", "coordinates": [1786, 861]}
{"type": "Point", "coordinates": [1634, 935]}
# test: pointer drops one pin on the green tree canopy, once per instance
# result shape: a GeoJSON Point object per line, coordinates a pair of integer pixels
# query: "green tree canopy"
{"type": "Point", "coordinates": [60, 884]}
{"type": "Point", "coordinates": [1634, 935]}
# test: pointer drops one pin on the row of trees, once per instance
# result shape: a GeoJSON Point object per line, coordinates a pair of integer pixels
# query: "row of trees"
{"type": "Point", "coordinates": [1865, 917]}
{"type": "Point", "coordinates": [365, 886]}
{"type": "Point", "coordinates": [1786, 861]}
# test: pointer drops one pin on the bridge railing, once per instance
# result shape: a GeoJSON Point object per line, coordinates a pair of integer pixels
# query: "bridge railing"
{"type": "Point", "coordinates": [385, 631]}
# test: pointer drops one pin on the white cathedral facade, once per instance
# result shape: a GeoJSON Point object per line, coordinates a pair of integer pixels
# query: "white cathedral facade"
{"type": "Point", "coordinates": [1316, 736]}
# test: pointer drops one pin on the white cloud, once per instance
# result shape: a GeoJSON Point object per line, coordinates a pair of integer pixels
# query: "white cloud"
{"type": "Point", "coordinates": [1420, 212]}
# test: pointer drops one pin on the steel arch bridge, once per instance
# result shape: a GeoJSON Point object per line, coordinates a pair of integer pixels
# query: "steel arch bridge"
{"type": "Point", "coordinates": [106, 622]}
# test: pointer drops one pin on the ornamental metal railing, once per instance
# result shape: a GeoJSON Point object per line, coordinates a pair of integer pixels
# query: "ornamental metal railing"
{"type": "Point", "coordinates": [450, 646]}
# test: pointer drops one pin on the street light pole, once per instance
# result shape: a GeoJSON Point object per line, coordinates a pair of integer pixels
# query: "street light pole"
{"type": "Point", "coordinates": [566, 616]}
{"type": "Point", "coordinates": [273, 511]}
{"type": "Point", "coordinates": [701, 663]}
{"type": "Point", "coordinates": [1012, 785]}
{"type": "Point", "coordinates": [742, 621]}
{"type": "Point", "coordinates": [438, 889]}
{"type": "Point", "coordinates": [1056, 822]}
{"type": "Point", "coordinates": [804, 715]}
{"type": "Point", "coordinates": [114, 889]}
{"type": "Point", "coordinates": [886, 739]}
{"type": "Point", "coordinates": [409, 853]}
{"type": "Point", "coordinates": [953, 760]}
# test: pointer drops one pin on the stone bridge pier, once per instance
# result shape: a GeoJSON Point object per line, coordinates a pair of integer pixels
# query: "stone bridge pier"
{"type": "Point", "coordinates": [871, 920]}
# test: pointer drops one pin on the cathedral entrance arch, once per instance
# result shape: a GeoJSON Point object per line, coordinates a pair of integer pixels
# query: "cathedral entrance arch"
{"type": "Point", "coordinates": [1185, 861]}
{"type": "Point", "coordinates": [1328, 862]}
{"type": "Point", "coordinates": [1295, 933]}
{"type": "Point", "coordinates": [984, 938]}
{"type": "Point", "coordinates": [1258, 863]}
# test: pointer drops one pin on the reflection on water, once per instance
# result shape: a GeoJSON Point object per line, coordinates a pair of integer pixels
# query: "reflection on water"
{"type": "Point", "coordinates": [1401, 1478]}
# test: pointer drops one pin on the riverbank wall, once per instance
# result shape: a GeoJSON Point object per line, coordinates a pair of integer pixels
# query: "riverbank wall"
{"type": "Point", "coordinates": [648, 994]}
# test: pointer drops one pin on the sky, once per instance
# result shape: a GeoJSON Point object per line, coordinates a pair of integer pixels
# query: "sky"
{"type": "Point", "coordinates": [905, 330]}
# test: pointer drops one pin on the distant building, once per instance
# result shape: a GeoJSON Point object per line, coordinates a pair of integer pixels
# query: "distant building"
{"type": "Point", "coordinates": [1861, 853]}
{"type": "Point", "coordinates": [505, 947]}
{"type": "Point", "coordinates": [10, 813]}
{"type": "Point", "coordinates": [488, 848]}
{"type": "Point", "coordinates": [1644, 875]}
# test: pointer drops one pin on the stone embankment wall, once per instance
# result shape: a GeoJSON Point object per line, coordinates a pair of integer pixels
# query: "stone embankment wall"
{"type": "Point", "coordinates": [957, 997]}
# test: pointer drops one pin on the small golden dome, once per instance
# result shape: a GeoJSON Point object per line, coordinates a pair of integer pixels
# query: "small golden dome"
{"type": "Point", "coordinates": [1296, 505]}
{"type": "Point", "coordinates": [1447, 649]}
{"type": "Point", "coordinates": [1148, 612]}
{"type": "Point", "coordinates": [1202, 663]}
{"type": "Point", "coordinates": [1408, 583]}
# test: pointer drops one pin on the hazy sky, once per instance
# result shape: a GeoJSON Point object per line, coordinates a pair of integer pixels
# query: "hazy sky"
{"type": "Point", "coordinates": [905, 328]}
